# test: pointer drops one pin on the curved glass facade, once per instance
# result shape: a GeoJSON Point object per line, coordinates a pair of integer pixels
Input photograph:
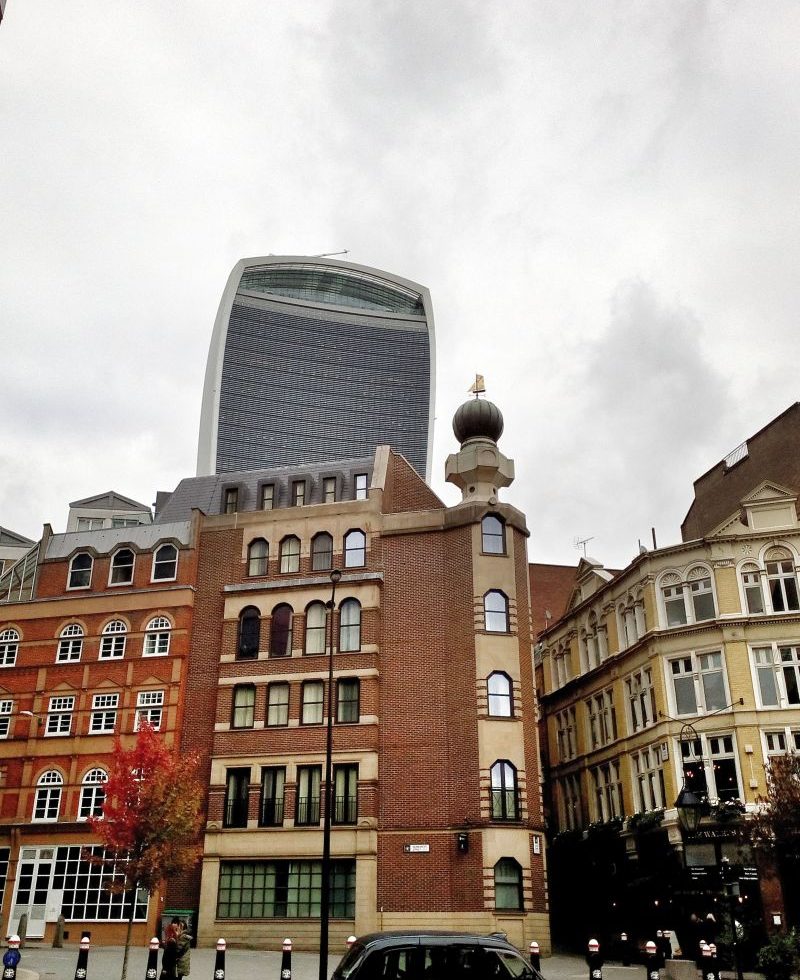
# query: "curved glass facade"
{"type": "Point", "coordinates": [314, 361]}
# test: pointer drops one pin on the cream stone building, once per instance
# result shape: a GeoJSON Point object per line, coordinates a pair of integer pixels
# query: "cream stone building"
{"type": "Point", "coordinates": [683, 669]}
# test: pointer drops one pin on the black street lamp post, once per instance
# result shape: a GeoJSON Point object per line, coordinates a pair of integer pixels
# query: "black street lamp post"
{"type": "Point", "coordinates": [325, 897]}
{"type": "Point", "coordinates": [690, 809]}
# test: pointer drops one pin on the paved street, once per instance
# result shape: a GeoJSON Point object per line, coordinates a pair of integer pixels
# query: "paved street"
{"type": "Point", "coordinates": [243, 964]}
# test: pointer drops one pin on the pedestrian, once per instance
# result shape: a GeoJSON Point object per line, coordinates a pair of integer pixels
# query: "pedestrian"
{"type": "Point", "coordinates": [170, 957]}
{"type": "Point", "coordinates": [184, 945]}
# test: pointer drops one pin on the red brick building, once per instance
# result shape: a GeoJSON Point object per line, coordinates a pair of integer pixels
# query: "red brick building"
{"type": "Point", "coordinates": [437, 803]}
{"type": "Point", "coordinates": [94, 636]}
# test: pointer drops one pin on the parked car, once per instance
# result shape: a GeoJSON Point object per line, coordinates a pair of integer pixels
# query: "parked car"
{"type": "Point", "coordinates": [433, 956]}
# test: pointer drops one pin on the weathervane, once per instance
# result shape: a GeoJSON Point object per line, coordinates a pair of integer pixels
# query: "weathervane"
{"type": "Point", "coordinates": [479, 386]}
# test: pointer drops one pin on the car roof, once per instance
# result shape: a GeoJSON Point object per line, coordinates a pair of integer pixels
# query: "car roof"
{"type": "Point", "coordinates": [417, 936]}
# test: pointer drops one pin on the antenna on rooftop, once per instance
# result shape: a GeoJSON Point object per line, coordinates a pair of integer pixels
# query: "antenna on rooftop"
{"type": "Point", "coordinates": [330, 255]}
{"type": "Point", "coordinates": [579, 542]}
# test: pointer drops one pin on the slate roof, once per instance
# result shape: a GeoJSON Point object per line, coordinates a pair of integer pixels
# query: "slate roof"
{"type": "Point", "coordinates": [110, 500]}
{"type": "Point", "coordinates": [206, 493]}
{"type": "Point", "coordinates": [13, 540]}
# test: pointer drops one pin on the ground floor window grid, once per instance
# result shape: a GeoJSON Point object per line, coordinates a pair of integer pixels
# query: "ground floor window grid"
{"type": "Point", "coordinates": [283, 889]}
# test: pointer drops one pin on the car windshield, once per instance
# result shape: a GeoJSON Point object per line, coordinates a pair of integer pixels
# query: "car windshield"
{"type": "Point", "coordinates": [350, 962]}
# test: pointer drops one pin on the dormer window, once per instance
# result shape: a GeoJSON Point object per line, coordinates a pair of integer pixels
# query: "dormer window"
{"type": "Point", "coordinates": [298, 493]}
{"type": "Point", "coordinates": [80, 571]}
{"type": "Point", "coordinates": [230, 502]}
{"type": "Point", "coordinates": [165, 563]}
{"type": "Point", "coordinates": [329, 489]}
{"type": "Point", "coordinates": [122, 567]}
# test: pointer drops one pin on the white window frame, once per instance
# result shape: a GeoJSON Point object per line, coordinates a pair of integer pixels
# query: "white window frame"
{"type": "Point", "coordinates": [81, 571]}
{"type": "Point", "coordinates": [686, 589]}
{"type": "Point", "coordinates": [59, 716]}
{"type": "Point", "coordinates": [149, 708]}
{"type": "Point", "coordinates": [601, 719]}
{"type": "Point", "coordinates": [708, 744]}
{"type": "Point", "coordinates": [607, 799]}
{"type": "Point", "coordinates": [773, 652]}
{"type": "Point", "coordinates": [289, 561]}
{"type": "Point", "coordinates": [157, 635]}
{"type": "Point", "coordinates": [114, 567]}
{"type": "Point", "coordinates": [647, 775]}
{"type": "Point", "coordinates": [697, 670]}
{"type": "Point", "coordinates": [103, 719]}
{"type": "Point", "coordinates": [360, 486]}
{"type": "Point", "coordinates": [164, 578]}
{"type": "Point", "coordinates": [113, 640]}
{"type": "Point", "coordinates": [751, 567]}
{"type": "Point", "coordinates": [93, 794]}
{"type": "Point", "coordinates": [6, 711]}
{"type": "Point", "coordinates": [790, 736]}
{"type": "Point", "coordinates": [9, 647]}
{"type": "Point", "coordinates": [70, 644]}
{"type": "Point", "coordinates": [640, 700]}
{"type": "Point", "coordinates": [47, 800]}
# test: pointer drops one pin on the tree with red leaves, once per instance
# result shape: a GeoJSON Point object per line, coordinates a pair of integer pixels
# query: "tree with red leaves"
{"type": "Point", "coordinates": [152, 816]}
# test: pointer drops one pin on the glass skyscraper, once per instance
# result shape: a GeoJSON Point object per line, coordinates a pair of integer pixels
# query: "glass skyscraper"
{"type": "Point", "coordinates": [314, 359]}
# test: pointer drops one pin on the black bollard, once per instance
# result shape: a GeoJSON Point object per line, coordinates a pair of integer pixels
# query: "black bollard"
{"type": "Point", "coordinates": [152, 959]}
{"type": "Point", "coordinates": [535, 957]}
{"type": "Point", "coordinates": [83, 959]}
{"type": "Point", "coordinates": [11, 958]}
{"type": "Point", "coordinates": [219, 962]}
{"type": "Point", "coordinates": [350, 940]}
{"type": "Point", "coordinates": [624, 949]}
{"type": "Point", "coordinates": [286, 960]}
{"type": "Point", "coordinates": [594, 960]}
{"type": "Point", "coordinates": [651, 960]}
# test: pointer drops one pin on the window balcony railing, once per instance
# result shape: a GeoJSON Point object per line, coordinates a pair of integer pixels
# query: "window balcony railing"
{"type": "Point", "coordinates": [307, 811]}
{"type": "Point", "coordinates": [271, 813]}
{"type": "Point", "coordinates": [235, 813]}
{"type": "Point", "coordinates": [345, 809]}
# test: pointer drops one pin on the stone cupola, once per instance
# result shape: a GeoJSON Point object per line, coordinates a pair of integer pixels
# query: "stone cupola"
{"type": "Point", "coordinates": [479, 468]}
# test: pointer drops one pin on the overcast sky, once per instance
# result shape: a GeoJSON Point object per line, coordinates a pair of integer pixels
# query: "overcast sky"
{"type": "Point", "coordinates": [602, 198]}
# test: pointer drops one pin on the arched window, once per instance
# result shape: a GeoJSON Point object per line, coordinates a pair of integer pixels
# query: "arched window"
{"type": "Point", "coordinates": [290, 554]}
{"type": "Point", "coordinates": [156, 637]}
{"type": "Point", "coordinates": [493, 535]}
{"type": "Point", "coordinates": [9, 647]}
{"type": "Point", "coordinates": [48, 795]}
{"type": "Point", "coordinates": [673, 598]}
{"type": "Point", "coordinates": [508, 884]}
{"type": "Point", "coordinates": [499, 687]}
{"type": "Point", "coordinates": [122, 567]}
{"type": "Point", "coordinates": [280, 636]}
{"type": "Point", "coordinates": [112, 645]}
{"type": "Point", "coordinates": [321, 552]}
{"type": "Point", "coordinates": [243, 706]}
{"type": "Point", "coordinates": [505, 804]}
{"type": "Point", "coordinates": [315, 628]}
{"type": "Point", "coordinates": [80, 571]}
{"type": "Point", "coordinates": [165, 563]}
{"type": "Point", "coordinates": [355, 549]}
{"type": "Point", "coordinates": [257, 557]}
{"type": "Point", "coordinates": [350, 625]}
{"type": "Point", "coordinates": [781, 580]}
{"type": "Point", "coordinates": [495, 611]}
{"type": "Point", "coordinates": [70, 644]}
{"type": "Point", "coordinates": [93, 794]}
{"type": "Point", "coordinates": [702, 594]}
{"type": "Point", "coordinates": [249, 634]}
{"type": "Point", "coordinates": [753, 591]}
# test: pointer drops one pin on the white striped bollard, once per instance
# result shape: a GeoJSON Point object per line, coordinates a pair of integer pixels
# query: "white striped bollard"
{"type": "Point", "coordinates": [350, 941]}
{"type": "Point", "coordinates": [286, 960]}
{"type": "Point", "coordinates": [152, 959]}
{"type": "Point", "coordinates": [83, 959]}
{"type": "Point", "coordinates": [219, 962]}
{"type": "Point", "coordinates": [535, 958]}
